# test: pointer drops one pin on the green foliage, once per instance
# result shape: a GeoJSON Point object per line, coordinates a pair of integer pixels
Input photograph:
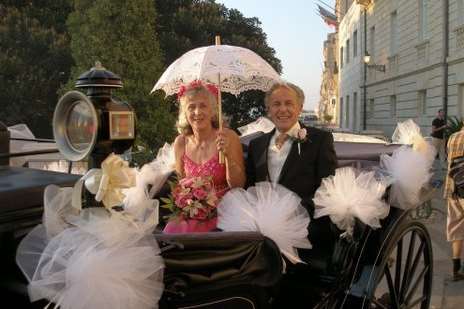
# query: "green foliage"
{"type": "Point", "coordinates": [455, 124]}
{"type": "Point", "coordinates": [46, 44]}
{"type": "Point", "coordinates": [122, 36]}
{"type": "Point", "coordinates": [34, 61]}
{"type": "Point", "coordinates": [187, 24]}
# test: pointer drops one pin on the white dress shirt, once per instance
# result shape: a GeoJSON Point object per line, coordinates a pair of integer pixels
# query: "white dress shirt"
{"type": "Point", "coordinates": [276, 157]}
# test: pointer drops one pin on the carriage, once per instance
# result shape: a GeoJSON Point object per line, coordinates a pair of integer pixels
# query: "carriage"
{"type": "Point", "coordinates": [390, 267]}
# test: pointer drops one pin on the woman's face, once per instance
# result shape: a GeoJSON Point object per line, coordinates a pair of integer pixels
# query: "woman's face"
{"type": "Point", "coordinates": [199, 112]}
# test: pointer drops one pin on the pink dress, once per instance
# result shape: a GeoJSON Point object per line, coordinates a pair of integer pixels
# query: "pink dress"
{"type": "Point", "coordinates": [193, 169]}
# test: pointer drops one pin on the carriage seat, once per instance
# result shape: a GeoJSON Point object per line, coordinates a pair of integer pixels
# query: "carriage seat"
{"type": "Point", "coordinates": [224, 268]}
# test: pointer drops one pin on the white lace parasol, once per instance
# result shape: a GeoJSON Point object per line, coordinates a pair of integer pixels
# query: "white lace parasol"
{"type": "Point", "coordinates": [240, 69]}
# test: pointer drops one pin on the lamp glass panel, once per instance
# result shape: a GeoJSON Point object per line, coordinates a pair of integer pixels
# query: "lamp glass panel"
{"type": "Point", "coordinates": [81, 126]}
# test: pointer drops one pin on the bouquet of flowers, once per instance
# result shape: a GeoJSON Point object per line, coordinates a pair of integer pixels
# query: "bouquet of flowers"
{"type": "Point", "coordinates": [192, 198]}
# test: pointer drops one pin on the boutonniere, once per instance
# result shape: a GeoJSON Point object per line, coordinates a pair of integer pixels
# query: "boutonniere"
{"type": "Point", "coordinates": [301, 137]}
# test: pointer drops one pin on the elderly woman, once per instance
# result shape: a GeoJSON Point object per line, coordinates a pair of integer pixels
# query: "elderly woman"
{"type": "Point", "coordinates": [197, 150]}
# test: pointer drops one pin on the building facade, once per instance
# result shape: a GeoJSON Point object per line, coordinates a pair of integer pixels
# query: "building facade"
{"type": "Point", "coordinates": [350, 59]}
{"type": "Point", "coordinates": [416, 62]}
{"type": "Point", "coordinates": [329, 85]}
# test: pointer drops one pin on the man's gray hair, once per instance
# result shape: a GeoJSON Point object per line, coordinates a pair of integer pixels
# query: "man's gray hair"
{"type": "Point", "coordinates": [299, 93]}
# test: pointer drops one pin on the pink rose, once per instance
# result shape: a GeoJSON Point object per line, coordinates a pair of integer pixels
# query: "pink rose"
{"type": "Point", "coordinates": [199, 193]}
{"type": "Point", "coordinates": [186, 182]}
{"type": "Point", "coordinates": [183, 200]}
{"type": "Point", "coordinates": [301, 133]}
{"type": "Point", "coordinates": [201, 214]}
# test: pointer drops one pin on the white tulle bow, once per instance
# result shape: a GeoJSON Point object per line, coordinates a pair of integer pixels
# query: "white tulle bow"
{"type": "Point", "coordinates": [408, 133]}
{"type": "Point", "coordinates": [347, 196]}
{"type": "Point", "coordinates": [106, 183]}
{"type": "Point", "coordinates": [410, 170]}
{"type": "Point", "coordinates": [270, 209]}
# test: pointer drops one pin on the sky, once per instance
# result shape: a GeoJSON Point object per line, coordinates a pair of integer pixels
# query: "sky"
{"type": "Point", "coordinates": [297, 33]}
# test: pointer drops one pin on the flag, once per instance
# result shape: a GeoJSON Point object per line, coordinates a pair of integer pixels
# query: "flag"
{"type": "Point", "coordinates": [328, 17]}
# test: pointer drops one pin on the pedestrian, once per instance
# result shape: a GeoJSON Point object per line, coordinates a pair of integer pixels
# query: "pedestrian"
{"type": "Point", "coordinates": [455, 216]}
{"type": "Point", "coordinates": [438, 130]}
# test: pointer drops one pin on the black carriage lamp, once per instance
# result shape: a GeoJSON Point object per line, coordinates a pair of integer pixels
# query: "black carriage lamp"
{"type": "Point", "coordinates": [377, 67]}
{"type": "Point", "coordinates": [94, 124]}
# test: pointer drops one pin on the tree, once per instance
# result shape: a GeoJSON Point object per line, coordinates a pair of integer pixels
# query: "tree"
{"type": "Point", "coordinates": [35, 61]}
{"type": "Point", "coordinates": [121, 35]}
{"type": "Point", "coordinates": [187, 24]}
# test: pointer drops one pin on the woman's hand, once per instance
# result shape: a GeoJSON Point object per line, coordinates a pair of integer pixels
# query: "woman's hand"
{"type": "Point", "coordinates": [222, 142]}
{"type": "Point", "coordinates": [228, 142]}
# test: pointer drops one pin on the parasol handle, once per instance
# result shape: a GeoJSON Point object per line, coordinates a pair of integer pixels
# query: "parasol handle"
{"type": "Point", "coordinates": [219, 100]}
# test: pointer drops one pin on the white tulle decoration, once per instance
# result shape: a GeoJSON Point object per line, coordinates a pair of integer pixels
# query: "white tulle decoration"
{"type": "Point", "coordinates": [57, 206]}
{"type": "Point", "coordinates": [410, 170]}
{"type": "Point", "coordinates": [262, 124]}
{"type": "Point", "coordinates": [346, 196]}
{"type": "Point", "coordinates": [408, 133]}
{"type": "Point", "coordinates": [139, 198]}
{"type": "Point", "coordinates": [270, 209]}
{"type": "Point", "coordinates": [106, 260]}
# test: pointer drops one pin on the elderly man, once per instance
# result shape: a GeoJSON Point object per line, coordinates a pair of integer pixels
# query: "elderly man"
{"type": "Point", "coordinates": [294, 156]}
{"type": "Point", "coordinates": [438, 138]}
{"type": "Point", "coordinates": [455, 217]}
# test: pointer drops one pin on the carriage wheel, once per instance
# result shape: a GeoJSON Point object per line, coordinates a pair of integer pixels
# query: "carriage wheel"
{"type": "Point", "coordinates": [407, 269]}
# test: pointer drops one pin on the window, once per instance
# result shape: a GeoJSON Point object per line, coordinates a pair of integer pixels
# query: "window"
{"type": "Point", "coordinates": [347, 50]}
{"type": "Point", "coordinates": [393, 33]}
{"type": "Point", "coordinates": [341, 57]}
{"type": "Point", "coordinates": [460, 12]}
{"type": "Point", "coordinates": [423, 12]}
{"type": "Point", "coordinates": [393, 105]}
{"type": "Point", "coordinates": [422, 102]}
{"type": "Point", "coordinates": [341, 112]}
{"type": "Point", "coordinates": [355, 43]}
{"type": "Point", "coordinates": [372, 42]}
{"type": "Point", "coordinates": [355, 110]}
{"type": "Point", "coordinates": [347, 114]}
{"type": "Point", "coordinates": [371, 108]}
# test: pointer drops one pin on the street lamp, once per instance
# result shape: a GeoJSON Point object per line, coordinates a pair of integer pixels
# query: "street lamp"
{"type": "Point", "coordinates": [377, 67]}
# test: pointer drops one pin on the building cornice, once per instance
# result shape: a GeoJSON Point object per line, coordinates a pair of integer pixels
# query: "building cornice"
{"type": "Point", "coordinates": [407, 74]}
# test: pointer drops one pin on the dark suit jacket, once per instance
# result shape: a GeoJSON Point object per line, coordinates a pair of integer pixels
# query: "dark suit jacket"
{"type": "Point", "coordinates": [301, 173]}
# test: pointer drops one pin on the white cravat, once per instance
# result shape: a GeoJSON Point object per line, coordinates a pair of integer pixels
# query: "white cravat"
{"type": "Point", "coordinates": [276, 157]}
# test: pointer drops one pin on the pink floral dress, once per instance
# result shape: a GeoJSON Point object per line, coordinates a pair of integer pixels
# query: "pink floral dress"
{"type": "Point", "coordinates": [193, 169]}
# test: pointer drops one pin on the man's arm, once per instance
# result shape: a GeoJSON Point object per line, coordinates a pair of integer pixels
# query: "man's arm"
{"type": "Point", "coordinates": [250, 167]}
{"type": "Point", "coordinates": [435, 127]}
{"type": "Point", "coordinates": [327, 158]}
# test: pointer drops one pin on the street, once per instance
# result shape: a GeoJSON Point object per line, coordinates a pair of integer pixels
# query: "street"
{"type": "Point", "coordinates": [446, 294]}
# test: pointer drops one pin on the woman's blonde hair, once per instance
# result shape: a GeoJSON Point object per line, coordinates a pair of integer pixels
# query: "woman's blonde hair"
{"type": "Point", "coordinates": [183, 126]}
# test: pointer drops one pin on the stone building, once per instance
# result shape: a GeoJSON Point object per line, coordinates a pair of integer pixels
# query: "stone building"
{"type": "Point", "coordinates": [329, 84]}
{"type": "Point", "coordinates": [416, 62]}
{"type": "Point", "coordinates": [350, 59]}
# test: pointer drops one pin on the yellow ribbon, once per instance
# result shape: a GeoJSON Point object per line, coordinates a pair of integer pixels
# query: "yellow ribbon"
{"type": "Point", "coordinates": [106, 183]}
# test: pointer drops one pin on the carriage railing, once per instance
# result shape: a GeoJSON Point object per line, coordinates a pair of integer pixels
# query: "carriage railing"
{"type": "Point", "coordinates": [5, 156]}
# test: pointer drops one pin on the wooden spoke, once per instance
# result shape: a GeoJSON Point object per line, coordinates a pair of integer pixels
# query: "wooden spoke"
{"type": "Point", "coordinates": [416, 283]}
{"type": "Point", "coordinates": [416, 302]}
{"type": "Point", "coordinates": [407, 266]}
{"type": "Point", "coordinates": [393, 295]}
{"type": "Point", "coordinates": [413, 267]}
{"type": "Point", "coordinates": [379, 304]}
{"type": "Point", "coordinates": [399, 258]}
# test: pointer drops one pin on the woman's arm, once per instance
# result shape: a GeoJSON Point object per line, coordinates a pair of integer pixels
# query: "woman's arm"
{"type": "Point", "coordinates": [179, 149]}
{"type": "Point", "coordinates": [229, 143]}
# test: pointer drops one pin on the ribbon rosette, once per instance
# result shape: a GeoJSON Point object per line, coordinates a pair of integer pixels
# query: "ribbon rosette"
{"type": "Point", "coordinates": [106, 183]}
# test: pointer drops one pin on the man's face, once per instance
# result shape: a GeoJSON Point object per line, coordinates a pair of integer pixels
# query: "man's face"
{"type": "Point", "coordinates": [283, 108]}
{"type": "Point", "coordinates": [441, 114]}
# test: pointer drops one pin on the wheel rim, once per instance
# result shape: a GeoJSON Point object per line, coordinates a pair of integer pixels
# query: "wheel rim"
{"type": "Point", "coordinates": [406, 278]}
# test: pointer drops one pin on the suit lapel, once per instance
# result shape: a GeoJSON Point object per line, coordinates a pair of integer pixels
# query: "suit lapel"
{"type": "Point", "coordinates": [294, 157]}
{"type": "Point", "coordinates": [261, 163]}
